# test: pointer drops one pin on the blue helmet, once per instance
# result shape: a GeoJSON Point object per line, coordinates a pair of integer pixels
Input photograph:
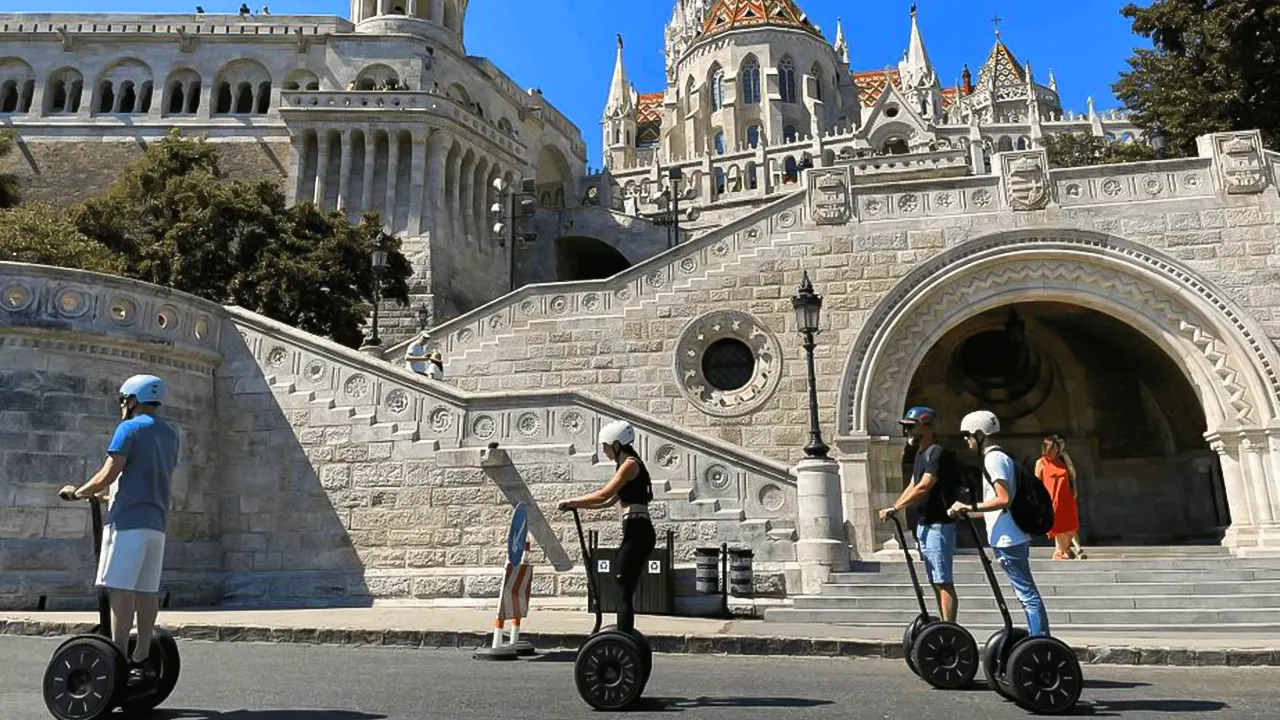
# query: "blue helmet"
{"type": "Point", "coordinates": [147, 388]}
{"type": "Point", "coordinates": [919, 415]}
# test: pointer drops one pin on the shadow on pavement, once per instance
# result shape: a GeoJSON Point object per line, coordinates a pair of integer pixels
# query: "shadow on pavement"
{"type": "Point", "coordinates": [1114, 684]}
{"type": "Point", "coordinates": [559, 656]}
{"type": "Point", "coordinates": [180, 714]}
{"type": "Point", "coordinates": [1118, 708]}
{"type": "Point", "coordinates": [670, 704]}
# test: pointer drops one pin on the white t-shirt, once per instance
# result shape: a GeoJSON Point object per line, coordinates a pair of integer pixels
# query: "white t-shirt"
{"type": "Point", "coordinates": [417, 350]}
{"type": "Point", "coordinates": [1002, 531]}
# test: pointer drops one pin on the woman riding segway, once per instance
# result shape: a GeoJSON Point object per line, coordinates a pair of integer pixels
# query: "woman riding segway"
{"type": "Point", "coordinates": [631, 488]}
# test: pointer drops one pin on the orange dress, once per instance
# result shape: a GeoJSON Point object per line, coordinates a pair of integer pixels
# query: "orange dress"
{"type": "Point", "coordinates": [1056, 479]}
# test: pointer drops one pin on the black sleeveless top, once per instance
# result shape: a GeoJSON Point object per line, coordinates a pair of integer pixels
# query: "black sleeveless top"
{"type": "Point", "coordinates": [639, 490]}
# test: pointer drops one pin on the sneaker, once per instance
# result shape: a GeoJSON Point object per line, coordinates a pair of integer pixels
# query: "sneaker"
{"type": "Point", "coordinates": [140, 672]}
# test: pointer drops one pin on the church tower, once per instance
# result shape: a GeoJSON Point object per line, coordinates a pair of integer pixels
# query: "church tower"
{"type": "Point", "coordinates": [919, 81]}
{"type": "Point", "coordinates": [436, 19]}
{"type": "Point", "coordinates": [619, 119]}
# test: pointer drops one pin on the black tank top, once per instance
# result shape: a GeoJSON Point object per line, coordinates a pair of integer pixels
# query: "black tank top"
{"type": "Point", "coordinates": [639, 490]}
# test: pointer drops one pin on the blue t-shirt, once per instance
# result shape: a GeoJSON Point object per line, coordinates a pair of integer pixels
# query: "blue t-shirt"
{"type": "Point", "coordinates": [141, 497]}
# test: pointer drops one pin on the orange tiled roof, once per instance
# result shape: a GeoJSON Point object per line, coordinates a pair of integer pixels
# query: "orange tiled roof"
{"type": "Point", "coordinates": [649, 118]}
{"type": "Point", "coordinates": [871, 84]}
{"type": "Point", "coordinates": [728, 15]}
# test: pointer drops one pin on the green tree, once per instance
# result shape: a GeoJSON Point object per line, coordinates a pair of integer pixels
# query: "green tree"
{"type": "Point", "coordinates": [1079, 149]}
{"type": "Point", "coordinates": [43, 235]}
{"type": "Point", "coordinates": [176, 220]}
{"type": "Point", "coordinates": [1212, 68]}
{"type": "Point", "coordinates": [10, 191]}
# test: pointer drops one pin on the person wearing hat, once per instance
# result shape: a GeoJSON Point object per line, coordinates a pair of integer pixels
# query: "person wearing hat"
{"type": "Point", "coordinates": [435, 365]}
{"type": "Point", "coordinates": [933, 487]}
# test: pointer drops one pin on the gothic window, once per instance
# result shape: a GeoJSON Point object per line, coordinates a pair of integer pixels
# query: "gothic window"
{"type": "Point", "coordinates": [753, 136]}
{"type": "Point", "coordinates": [789, 134]}
{"type": "Point", "coordinates": [787, 80]}
{"type": "Point", "coordinates": [790, 171]}
{"type": "Point", "coordinates": [749, 78]}
{"type": "Point", "coordinates": [817, 81]}
{"type": "Point", "coordinates": [719, 181]}
{"type": "Point", "coordinates": [1022, 143]}
{"type": "Point", "coordinates": [717, 90]}
{"type": "Point", "coordinates": [719, 142]}
{"type": "Point", "coordinates": [751, 176]}
{"type": "Point", "coordinates": [106, 97]}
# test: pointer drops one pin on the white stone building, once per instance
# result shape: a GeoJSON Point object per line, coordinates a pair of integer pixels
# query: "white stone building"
{"type": "Point", "coordinates": [384, 112]}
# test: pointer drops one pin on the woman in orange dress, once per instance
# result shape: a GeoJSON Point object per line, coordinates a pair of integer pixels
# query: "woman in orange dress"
{"type": "Point", "coordinates": [1057, 472]}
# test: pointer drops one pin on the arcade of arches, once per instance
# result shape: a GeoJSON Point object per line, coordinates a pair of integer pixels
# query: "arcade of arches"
{"type": "Point", "coordinates": [1133, 423]}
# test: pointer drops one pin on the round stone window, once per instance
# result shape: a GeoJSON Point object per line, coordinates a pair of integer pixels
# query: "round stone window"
{"type": "Point", "coordinates": [727, 363]}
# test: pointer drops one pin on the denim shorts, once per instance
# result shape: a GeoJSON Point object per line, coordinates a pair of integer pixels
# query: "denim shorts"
{"type": "Point", "coordinates": [937, 545]}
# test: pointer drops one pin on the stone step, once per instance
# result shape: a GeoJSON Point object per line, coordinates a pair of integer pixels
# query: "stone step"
{"type": "Point", "coordinates": [363, 432]}
{"type": "Point", "coordinates": [1057, 616]}
{"type": "Point", "coordinates": [1090, 565]}
{"type": "Point", "coordinates": [1124, 633]}
{"type": "Point", "coordinates": [331, 416]}
{"type": "Point", "coordinates": [1212, 588]}
{"type": "Point", "coordinates": [1050, 575]}
{"type": "Point", "coordinates": [414, 449]}
{"type": "Point", "coordinates": [985, 601]}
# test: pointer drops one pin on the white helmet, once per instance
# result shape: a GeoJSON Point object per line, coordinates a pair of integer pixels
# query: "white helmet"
{"type": "Point", "coordinates": [619, 431]}
{"type": "Point", "coordinates": [980, 421]}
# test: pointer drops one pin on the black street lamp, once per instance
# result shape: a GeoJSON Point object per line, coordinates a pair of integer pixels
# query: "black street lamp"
{"type": "Point", "coordinates": [507, 227]}
{"type": "Point", "coordinates": [1159, 142]}
{"type": "Point", "coordinates": [675, 175]}
{"type": "Point", "coordinates": [808, 307]}
{"type": "Point", "coordinates": [378, 261]}
{"type": "Point", "coordinates": [424, 316]}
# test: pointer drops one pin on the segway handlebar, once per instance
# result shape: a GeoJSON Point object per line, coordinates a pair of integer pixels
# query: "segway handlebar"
{"type": "Point", "coordinates": [589, 563]}
{"type": "Point", "coordinates": [911, 566]}
{"type": "Point", "coordinates": [95, 506]}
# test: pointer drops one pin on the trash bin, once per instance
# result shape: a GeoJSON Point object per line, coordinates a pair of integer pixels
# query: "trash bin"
{"type": "Point", "coordinates": [706, 574]}
{"type": "Point", "coordinates": [656, 593]}
{"type": "Point", "coordinates": [740, 584]}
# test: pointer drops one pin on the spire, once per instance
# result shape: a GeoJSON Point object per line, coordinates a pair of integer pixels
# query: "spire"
{"type": "Point", "coordinates": [967, 78]}
{"type": "Point", "coordinates": [621, 100]}
{"type": "Point", "coordinates": [1053, 82]}
{"type": "Point", "coordinates": [915, 69]}
{"type": "Point", "coordinates": [841, 45]}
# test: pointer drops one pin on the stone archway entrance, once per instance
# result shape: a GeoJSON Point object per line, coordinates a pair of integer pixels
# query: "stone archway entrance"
{"type": "Point", "coordinates": [586, 258]}
{"type": "Point", "coordinates": [1132, 420]}
{"type": "Point", "coordinates": [1220, 351]}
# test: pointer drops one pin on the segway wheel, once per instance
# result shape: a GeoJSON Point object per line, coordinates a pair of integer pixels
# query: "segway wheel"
{"type": "Point", "coordinates": [609, 671]}
{"type": "Point", "coordinates": [945, 656]}
{"type": "Point", "coordinates": [646, 657]}
{"type": "Point", "coordinates": [1045, 675]}
{"type": "Point", "coordinates": [84, 677]}
{"type": "Point", "coordinates": [995, 661]}
{"type": "Point", "coordinates": [164, 659]}
{"type": "Point", "coordinates": [909, 640]}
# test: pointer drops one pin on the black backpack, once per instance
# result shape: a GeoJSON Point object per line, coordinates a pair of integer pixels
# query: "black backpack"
{"type": "Point", "coordinates": [1032, 508]}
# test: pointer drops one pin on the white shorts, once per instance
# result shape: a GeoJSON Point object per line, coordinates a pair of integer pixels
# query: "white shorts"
{"type": "Point", "coordinates": [131, 560]}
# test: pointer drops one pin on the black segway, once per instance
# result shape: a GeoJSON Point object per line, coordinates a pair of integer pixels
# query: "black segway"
{"type": "Point", "coordinates": [941, 653]}
{"type": "Point", "coordinates": [612, 667]}
{"type": "Point", "coordinates": [88, 677]}
{"type": "Point", "coordinates": [1040, 674]}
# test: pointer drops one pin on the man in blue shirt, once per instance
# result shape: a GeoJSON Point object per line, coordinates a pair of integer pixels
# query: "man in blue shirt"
{"type": "Point", "coordinates": [142, 456]}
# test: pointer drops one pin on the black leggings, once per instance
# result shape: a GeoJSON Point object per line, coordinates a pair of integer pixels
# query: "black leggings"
{"type": "Point", "coordinates": [638, 540]}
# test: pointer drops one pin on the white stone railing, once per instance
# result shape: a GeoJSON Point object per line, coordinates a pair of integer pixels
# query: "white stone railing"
{"type": "Point", "coordinates": [458, 419]}
{"type": "Point", "coordinates": [601, 297]}
{"type": "Point", "coordinates": [177, 325]}
{"type": "Point", "coordinates": [29, 24]}
{"type": "Point", "coordinates": [877, 167]}
{"type": "Point", "coordinates": [357, 101]}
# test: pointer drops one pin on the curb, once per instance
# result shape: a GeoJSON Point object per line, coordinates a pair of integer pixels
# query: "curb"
{"type": "Point", "coordinates": [662, 643]}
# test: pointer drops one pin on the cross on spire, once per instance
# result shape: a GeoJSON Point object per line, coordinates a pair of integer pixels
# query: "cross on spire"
{"type": "Point", "coordinates": [997, 20]}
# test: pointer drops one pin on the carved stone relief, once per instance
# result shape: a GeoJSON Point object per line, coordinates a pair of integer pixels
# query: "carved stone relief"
{"type": "Point", "coordinates": [1240, 162]}
{"type": "Point", "coordinates": [829, 196]}
{"type": "Point", "coordinates": [1026, 180]}
{"type": "Point", "coordinates": [720, 325]}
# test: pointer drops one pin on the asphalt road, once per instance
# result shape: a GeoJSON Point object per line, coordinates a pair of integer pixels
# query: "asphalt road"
{"type": "Point", "coordinates": [245, 681]}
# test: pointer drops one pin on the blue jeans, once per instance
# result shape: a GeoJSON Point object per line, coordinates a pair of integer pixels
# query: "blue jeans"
{"type": "Point", "coordinates": [937, 543]}
{"type": "Point", "coordinates": [1016, 561]}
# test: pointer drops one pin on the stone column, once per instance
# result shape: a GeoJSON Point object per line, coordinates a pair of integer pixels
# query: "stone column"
{"type": "Point", "coordinates": [344, 173]}
{"type": "Point", "coordinates": [437, 153]}
{"type": "Point", "coordinates": [437, 11]}
{"type": "Point", "coordinates": [821, 548]}
{"type": "Point", "coordinates": [416, 178]}
{"type": "Point", "coordinates": [322, 167]}
{"type": "Point", "coordinates": [858, 483]}
{"type": "Point", "coordinates": [393, 172]}
{"type": "Point", "coordinates": [1252, 447]}
{"type": "Point", "coordinates": [370, 163]}
{"type": "Point", "coordinates": [447, 219]}
{"type": "Point", "coordinates": [413, 8]}
{"type": "Point", "coordinates": [384, 7]}
{"type": "Point", "coordinates": [297, 154]}
{"type": "Point", "coordinates": [1242, 531]}
{"type": "Point", "coordinates": [461, 211]}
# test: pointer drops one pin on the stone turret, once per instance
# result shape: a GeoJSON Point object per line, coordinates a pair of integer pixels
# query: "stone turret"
{"type": "Point", "coordinates": [619, 121]}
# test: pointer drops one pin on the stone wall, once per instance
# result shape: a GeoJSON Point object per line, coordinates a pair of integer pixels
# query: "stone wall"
{"type": "Point", "coordinates": [67, 172]}
{"type": "Point", "coordinates": [67, 341]}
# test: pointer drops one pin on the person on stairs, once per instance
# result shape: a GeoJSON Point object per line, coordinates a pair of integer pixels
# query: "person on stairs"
{"type": "Point", "coordinates": [1058, 473]}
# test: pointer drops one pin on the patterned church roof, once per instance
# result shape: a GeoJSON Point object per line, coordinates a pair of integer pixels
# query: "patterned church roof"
{"type": "Point", "coordinates": [1001, 62]}
{"type": "Point", "coordinates": [728, 15]}
{"type": "Point", "coordinates": [649, 119]}
{"type": "Point", "coordinates": [871, 85]}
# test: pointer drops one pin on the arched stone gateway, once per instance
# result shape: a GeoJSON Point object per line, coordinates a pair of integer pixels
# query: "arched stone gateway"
{"type": "Point", "coordinates": [1225, 356]}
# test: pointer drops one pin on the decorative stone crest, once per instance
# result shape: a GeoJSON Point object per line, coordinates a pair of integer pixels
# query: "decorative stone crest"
{"type": "Point", "coordinates": [718, 477]}
{"type": "Point", "coordinates": [397, 401]}
{"type": "Point", "coordinates": [714, 327]}
{"type": "Point", "coordinates": [314, 370]}
{"type": "Point", "coordinates": [591, 302]}
{"type": "Point", "coordinates": [1240, 163]}
{"type": "Point", "coordinates": [484, 427]}
{"type": "Point", "coordinates": [667, 456]}
{"type": "Point", "coordinates": [1026, 180]}
{"type": "Point", "coordinates": [440, 419]}
{"type": "Point", "coordinates": [15, 297]}
{"type": "Point", "coordinates": [829, 196]}
{"type": "Point", "coordinates": [572, 422]}
{"type": "Point", "coordinates": [528, 424]}
{"type": "Point", "coordinates": [356, 386]}
{"type": "Point", "coordinates": [276, 356]}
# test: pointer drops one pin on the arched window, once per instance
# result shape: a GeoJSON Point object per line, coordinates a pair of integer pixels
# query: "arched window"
{"type": "Point", "coordinates": [817, 81]}
{"type": "Point", "coordinates": [749, 78]}
{"type": "Point", "coordinates": [753, 136]}
{"type": "Point", "coordinates": [717, 90]}
{"type": "Point", "coordinates": [787, 80]}
{"type": "Point", "coordinates": [719, 181]}
{"type": "Point", "coordinates": [752, 183]}
{"type": "Point", "coordinates": [719, 140]}
{"type": "Point", "coordinates": [790, 171]}
{"type": "Point", "coordinates": [789, 134]}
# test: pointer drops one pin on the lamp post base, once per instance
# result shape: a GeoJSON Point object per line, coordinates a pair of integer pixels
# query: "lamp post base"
{"type": "Point", "coordinates": [372, 348]}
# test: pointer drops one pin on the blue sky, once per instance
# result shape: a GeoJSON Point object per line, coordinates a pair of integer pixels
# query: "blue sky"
{"type": "Point", "coordinates": [567, 47]}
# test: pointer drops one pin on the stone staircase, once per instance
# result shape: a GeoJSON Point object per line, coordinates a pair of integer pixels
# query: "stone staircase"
{"type": "Point", "coordinates": [1198, 588]}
